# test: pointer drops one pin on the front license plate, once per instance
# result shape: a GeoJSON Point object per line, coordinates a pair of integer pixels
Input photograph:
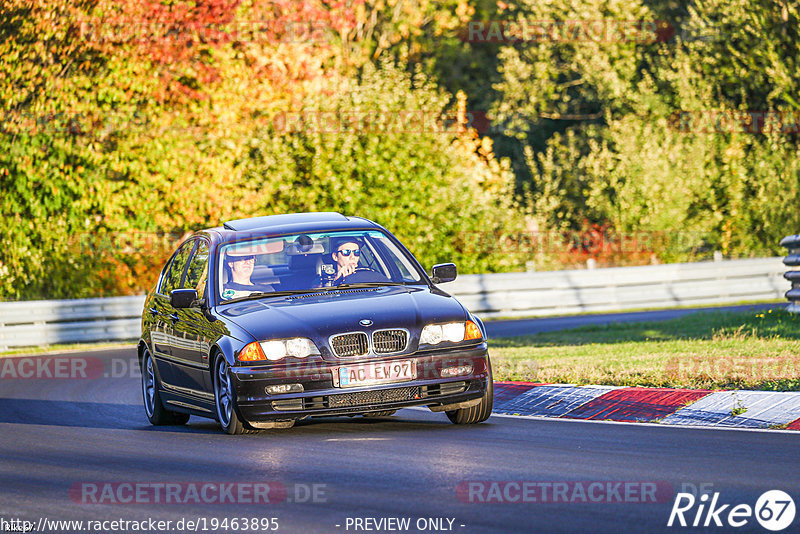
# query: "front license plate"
{"type": "Point", "coordinates": [376, 373]}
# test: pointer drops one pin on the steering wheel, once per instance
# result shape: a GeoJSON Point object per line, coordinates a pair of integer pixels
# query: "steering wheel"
{"type": "Point", "coordinates": [364, 275]}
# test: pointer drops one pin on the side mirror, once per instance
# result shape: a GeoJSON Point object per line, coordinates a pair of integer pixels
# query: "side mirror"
{"type": "Point", "coordinates": [444, 272]}
{"type": "Point", "coordinates": [183, 298]}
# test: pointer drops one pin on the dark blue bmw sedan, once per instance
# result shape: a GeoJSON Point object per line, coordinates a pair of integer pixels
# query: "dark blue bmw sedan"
{"type": "Point", "coordinates": [265, 321]}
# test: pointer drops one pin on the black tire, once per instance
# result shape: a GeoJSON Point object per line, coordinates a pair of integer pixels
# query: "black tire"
{"type": "Point", "coordinates": [481, 411]}
{"type": "Point", "coordinates": [384, 413]}
{"type": "Point", "coordinates": [151, 396]}
{"type": "Point", "coordinates": [225, 401]}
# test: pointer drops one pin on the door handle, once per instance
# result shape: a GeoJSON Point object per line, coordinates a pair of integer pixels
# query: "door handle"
{"type": "Point", "coordinates": [154, 312]}
{"type": "Point", "coordinates": [174, 318]}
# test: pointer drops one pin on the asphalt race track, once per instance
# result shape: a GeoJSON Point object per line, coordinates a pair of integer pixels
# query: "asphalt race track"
{"type": "Point", "coordinates": [82, 449]}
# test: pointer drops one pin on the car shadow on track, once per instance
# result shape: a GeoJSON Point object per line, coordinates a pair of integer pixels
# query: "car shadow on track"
{"type": "Point", "coordinates": [338, 426]}
{"type": "Point", "coordinates": [405, 421]}
{"type": "Point", "coordinates": [80, 414]}
{"type": "Point", "coordinates": [131, 417]}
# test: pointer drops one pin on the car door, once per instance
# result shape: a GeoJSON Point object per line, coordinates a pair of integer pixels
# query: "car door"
{"type": "Point", "coordinates": [192, 331]}
{"type": "Point", "coordinates": [164, 342]}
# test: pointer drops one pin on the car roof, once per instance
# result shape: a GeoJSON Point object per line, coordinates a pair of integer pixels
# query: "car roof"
{"type": "Point", "coordinates": [271, 221]}
{"type": "Point", "coordinates": [290, 223]}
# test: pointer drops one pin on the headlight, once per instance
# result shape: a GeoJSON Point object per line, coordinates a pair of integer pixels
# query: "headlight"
{"type": "Point", "coordinates": [274, 350]}
{"type": "Point", "coordinates": [433, 334]}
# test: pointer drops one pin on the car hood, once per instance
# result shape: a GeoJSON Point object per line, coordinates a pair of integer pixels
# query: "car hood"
{"type": "Point", "coordinates": [319, 316]}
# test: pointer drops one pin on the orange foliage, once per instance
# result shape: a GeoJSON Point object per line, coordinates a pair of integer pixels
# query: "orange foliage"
{"type": "Point", "coordinates": [180, 38]}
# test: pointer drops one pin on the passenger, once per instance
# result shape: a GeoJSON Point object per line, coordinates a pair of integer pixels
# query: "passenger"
{"type": "Point", "coordinates": [239, 268]}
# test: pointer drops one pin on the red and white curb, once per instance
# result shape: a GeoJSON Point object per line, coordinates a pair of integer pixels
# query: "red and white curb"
{"type": "Point", "coordinates": [697, 407]}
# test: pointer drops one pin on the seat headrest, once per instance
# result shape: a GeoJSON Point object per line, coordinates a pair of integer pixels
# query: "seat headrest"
{"type": "Point", "coordinates": [305, 262]}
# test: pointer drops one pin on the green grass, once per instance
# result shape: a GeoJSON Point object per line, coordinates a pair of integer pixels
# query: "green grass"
{"type": "Point", "coordinates": [646, 308]}
{"type": "Point", "coordinates": [719, 350]}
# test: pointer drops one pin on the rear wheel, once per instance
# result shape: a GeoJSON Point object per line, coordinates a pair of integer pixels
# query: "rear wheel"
{"type": "Point", "coordinates": [153, 407]}
{"type": "Point", "coordinates": [224, 398]}
{"type": "Point", "coordinates": [481, 411]}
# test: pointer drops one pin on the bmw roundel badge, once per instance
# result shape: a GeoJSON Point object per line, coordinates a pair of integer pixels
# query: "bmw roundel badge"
{"type": "Point", "coordinates": [365, 322]}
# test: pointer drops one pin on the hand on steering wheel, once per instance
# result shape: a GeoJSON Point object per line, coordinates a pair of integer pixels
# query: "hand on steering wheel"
{"type": "Point", "coordinates": [355, 272]}
{"type": "Point", "coordinates": [345, 271]}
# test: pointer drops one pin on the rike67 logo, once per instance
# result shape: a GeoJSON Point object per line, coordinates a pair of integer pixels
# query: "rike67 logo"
{"type": "Point", "coordinates": [774, 510]}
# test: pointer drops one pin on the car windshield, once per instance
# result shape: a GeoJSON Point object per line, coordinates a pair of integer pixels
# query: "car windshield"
{"type": "Point", "coordinates": [312, 261]}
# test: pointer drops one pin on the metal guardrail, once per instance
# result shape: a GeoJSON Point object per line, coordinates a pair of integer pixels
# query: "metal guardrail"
{"type": "Point", "coordinates": [34, 323]}
{"type": "Point", "coordinates": [620, 288]}
{"type": "Point", "coordinates": [792, 242]}
{"type": "Point", "coordinates": [46, 322]}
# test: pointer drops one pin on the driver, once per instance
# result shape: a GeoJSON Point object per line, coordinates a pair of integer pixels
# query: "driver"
{"type": "Point", "coordinates": [346, 258]}
{"type": "Point", "coordinates": [346, 255]}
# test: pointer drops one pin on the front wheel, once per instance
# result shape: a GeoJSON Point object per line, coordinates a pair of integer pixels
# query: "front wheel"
{"type": "Point", "coordinates": [153, 407]}
{"type": "Point", "coordinates": [224, 400]}
{"type": "Point", "coordinates": [481, 411]}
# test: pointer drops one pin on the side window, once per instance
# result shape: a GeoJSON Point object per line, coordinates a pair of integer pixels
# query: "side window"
{"type": "Point", "coordinates": [162, 279]}
{"type": "Point", "coordinates": [367, 259]}
{"type": "Point", "coordinates": [405, 274]}
{"type": "Point", "coordinates": [173, 278]}
{"type": "Point", "coordinates": [197, 274]}
{"type": "Point", "coordinates": [398, 263]}
{"type": "Point", "coordinates": [371, 260]}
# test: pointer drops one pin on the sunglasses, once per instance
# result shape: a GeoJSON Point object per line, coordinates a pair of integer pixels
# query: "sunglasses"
{"type": "Point", "coordinates": [347, 252]}
{"type": "Point", "coordinates": [241, 258]}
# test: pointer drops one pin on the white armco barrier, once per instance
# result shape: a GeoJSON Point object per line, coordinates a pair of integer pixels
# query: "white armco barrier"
{"type": "Point", "coordinates": [620, 288]}
{"type": "Point", "coordinates": [47, 322]}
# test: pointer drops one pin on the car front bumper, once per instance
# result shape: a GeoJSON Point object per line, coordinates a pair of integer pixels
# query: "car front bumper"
{"type": "Point", "coordinates": [320, 397]}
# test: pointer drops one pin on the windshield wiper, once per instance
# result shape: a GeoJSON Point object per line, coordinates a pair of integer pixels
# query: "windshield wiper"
{"type": "Point", "coordinates": [368, 284]}
{"type": "Point", "coordinates": [262, 294]}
